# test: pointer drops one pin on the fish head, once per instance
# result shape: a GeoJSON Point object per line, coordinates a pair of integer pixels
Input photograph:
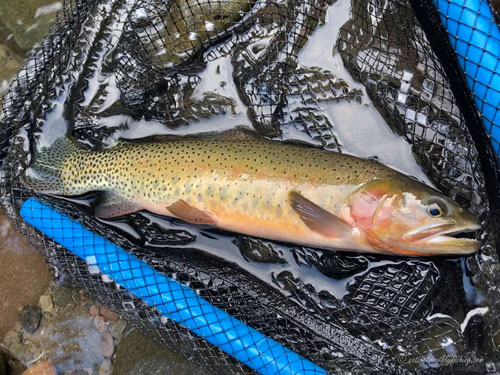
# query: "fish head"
{"type": "Point", "coordinates": [405, 217]}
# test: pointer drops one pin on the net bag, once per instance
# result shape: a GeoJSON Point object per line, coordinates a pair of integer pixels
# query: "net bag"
{"type": "Point", "coordinates": [136, 68]}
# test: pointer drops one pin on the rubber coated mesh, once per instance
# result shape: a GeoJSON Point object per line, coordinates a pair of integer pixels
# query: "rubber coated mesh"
{"type": "Point", "coordinates": [135, 68]}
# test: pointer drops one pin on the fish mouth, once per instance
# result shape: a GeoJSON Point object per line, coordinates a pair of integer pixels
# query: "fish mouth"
{"type": "Point", "coordinates": [448, 238]}
{"type": "Point", "coordinates": [458, 240]}
{"type": "Point", "coordinates": [464, 234]}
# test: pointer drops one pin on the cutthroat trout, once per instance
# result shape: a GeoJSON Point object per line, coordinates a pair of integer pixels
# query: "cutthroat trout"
{"type": "Point", "coordinates": [261, 188]}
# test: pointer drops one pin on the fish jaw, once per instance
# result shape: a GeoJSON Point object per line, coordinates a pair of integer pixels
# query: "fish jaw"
{"type": "Point", "coordinates": [448, 245]}
{"type": "Point", "coordinates": [444, 243]}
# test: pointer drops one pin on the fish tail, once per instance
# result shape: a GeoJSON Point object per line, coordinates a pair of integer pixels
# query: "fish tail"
{"type": "Point", "coordinates": [44, 175]}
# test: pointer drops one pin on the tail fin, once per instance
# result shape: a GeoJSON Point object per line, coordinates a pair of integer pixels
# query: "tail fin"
{"type": "Point", "coordinates": [44, 173]}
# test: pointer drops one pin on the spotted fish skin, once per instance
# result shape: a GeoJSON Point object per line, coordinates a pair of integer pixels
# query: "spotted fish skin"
{"type": "Point", "coordinates": [238, 185]}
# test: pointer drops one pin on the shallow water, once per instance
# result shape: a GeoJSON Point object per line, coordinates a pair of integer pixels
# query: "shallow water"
{"type": "Point", "coordinates": [22, 25]}
{"type": "Point", "coordinates": [24, 275]}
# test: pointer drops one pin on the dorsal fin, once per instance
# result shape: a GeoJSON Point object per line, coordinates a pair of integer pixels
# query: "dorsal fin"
{"type": "Point", "coordinates": [239, 133]}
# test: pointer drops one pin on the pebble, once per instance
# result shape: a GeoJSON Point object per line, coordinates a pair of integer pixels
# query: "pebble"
{"type": "Point", "coordinates": [118, 328]}
{"type": "Point", "coordinates": [62, 296]}
{"type": "Point", "coordinates": [108, 315]}
{"type": "Point", "coordinates": [94, 310]}
{"type": "Point", "coordinates": [100, 325]}
{"type": "Point", "coordinates": [46, 303]}
{"type": "Point", "coordinates": [12, 337]}
{"type": "Point", "coordinates": [107, 346]}
{"type": "Point", "coordinates": [30, 318]}
{"type": "Point", "coordinates": [106, 367]}
{"type": "Point", "coordinates": [41, 368]}
{"type": "Point", "coordinates": [12, 341]}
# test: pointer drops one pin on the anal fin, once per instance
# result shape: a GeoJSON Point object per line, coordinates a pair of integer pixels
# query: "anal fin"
{"type": "Point", "coordinates": [113, 205]}
{"type": "Point", "coordinates": [188, 213]}
{"type": "Point", "coordinates": [318, 219]}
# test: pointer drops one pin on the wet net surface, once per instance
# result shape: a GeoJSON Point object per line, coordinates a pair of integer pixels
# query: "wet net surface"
{"type": "Point", "coordinates": [139, 68]}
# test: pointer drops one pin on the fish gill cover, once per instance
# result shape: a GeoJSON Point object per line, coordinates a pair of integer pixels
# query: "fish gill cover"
{"type": "Point", "coordinates": [354, 76]}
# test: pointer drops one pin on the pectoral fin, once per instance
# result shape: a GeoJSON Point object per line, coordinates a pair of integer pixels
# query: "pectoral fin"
{"type": "Point", "coordinates": [318, 219]}
{"type": "Point", "coordinates": [188, 213]}
{"type": "Point", "coordinates": [114, 205]}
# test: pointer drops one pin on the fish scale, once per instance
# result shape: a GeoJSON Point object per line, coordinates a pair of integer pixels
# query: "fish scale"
{"type": "Point", "coordinates": [275, 190]}
{"type": "Point", "coordinates": [194, 168]}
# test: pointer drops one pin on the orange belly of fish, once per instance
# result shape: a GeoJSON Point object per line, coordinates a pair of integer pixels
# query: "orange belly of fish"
{"type": "Point", "coordinates": [287, 229]}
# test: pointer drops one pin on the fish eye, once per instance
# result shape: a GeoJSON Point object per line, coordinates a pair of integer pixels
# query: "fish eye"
{"type": "Point", "coordinates": [435, 210]}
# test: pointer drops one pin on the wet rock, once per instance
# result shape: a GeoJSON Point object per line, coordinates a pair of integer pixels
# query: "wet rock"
{"type": "Point", "coordinates": [12, 337]}
{"type": "Point", "coordinates": [63, 296]}
{"type": "Point", "coordinates": [108, 315]}
{"type": "Point", "coordinates": [118, 328]}
{"type": "Point", "coordinates": [106, 367]}
{"type": "Point", "coordinates": [30, 318]}
{"type": "Point", "coordinates": [5, 55]}
{"type": "Point", "coordinates": [41, 368]}
{"type": "Point", "coordinates": [107, 345]}
{"type": "Point", "coordinates": [70, 340]}
{"type": "Point", "coordinates": [100, 324]}
{"type": "Point", "coordinates": [46, 303]}
{"type": "Point", "coordinates": [12, 342]}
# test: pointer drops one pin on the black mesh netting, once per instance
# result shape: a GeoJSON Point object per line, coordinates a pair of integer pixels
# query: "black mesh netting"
{"type": "Point", "coordinates": [137, 68]}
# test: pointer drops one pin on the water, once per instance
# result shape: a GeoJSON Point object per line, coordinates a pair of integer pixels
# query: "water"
{"type": "Point", "coordinates": [22, 25]}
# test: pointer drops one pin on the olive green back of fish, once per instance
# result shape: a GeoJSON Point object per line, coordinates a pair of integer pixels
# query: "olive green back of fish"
{"type": "Point", "coordinates": [66, 169]}
{"type": "Point", "coordinates": [273, 160]}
